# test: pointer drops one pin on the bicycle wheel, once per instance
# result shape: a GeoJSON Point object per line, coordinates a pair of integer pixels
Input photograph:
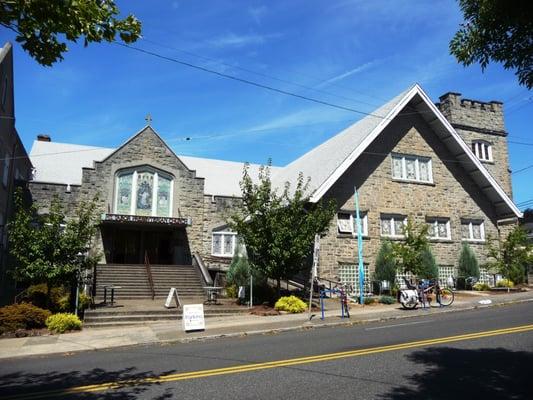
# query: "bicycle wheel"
{"type": "Point", "coordinates": [445, 297]}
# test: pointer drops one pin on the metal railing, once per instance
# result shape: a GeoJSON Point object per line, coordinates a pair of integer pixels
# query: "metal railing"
{"type": "Point", "coordinates": [149, 274]}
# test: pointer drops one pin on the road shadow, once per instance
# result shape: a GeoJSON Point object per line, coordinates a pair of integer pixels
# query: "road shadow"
{"type": "Point", "coordinates": [21, 383]}
{"type": "Point", "coordinates": [468, 374]}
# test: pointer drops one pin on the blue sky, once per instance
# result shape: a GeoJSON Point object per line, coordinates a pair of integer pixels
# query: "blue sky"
{"type": "Point", "coordinates": [356, 54]}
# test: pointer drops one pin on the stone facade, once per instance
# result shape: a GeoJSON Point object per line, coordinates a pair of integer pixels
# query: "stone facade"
{"type": "Point", "coordinates": [452, 195]}
{"type": "Point", "coordinates": [476, 120]}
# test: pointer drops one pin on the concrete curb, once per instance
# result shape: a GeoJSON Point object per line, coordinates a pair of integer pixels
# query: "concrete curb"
{"type": "Point", "coordinates": [306, 325]}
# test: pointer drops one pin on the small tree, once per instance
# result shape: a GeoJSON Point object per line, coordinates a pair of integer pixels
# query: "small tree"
{"type": "Point", "coordinates": [239, 269]}
{"type": "Point", "coordinates": [46, 247]}
{"type": "Point", "coordinates": [385, 264]}
{"type": "Point", "coordinates": [428, 267]}
{"type": "Point", "coordinates": [468, 265]}
{"type": "Point", "coordinates": [512, 256]}
{"type": "Point", "coordinates": [410, 252]}
{"type": "Point", "coordinates": [278, 229]}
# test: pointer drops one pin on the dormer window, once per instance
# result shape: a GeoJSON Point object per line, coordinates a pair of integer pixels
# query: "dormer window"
{"type": "Point", "coordinates": [143, 191]}
{"type": "Point", "coordinates": [482, 150]}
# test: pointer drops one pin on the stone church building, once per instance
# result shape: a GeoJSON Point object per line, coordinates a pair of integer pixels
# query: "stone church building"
{"type": "Point", "coordinates": [443, 164]}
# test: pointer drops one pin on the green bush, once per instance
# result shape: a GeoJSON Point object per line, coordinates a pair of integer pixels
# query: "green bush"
{"type": "Point", "coordinates": [62, 322]}
{"type": "Point", "coordinates": [481, 286]}
{"type": "Point", "coordinates": [369, 300]}
{"type": "Point", "coordinates": [468, 265]}
{"type": "Point", "coordinates": [38, 296]}
{"type": "Point", "coordinates": [387, 300]}
{"type": "Point", "coordinates": [232, 291]}
{"type": "Point", "coordinates": [290, 304]}
{"type": "Point", "coordinates": [428, 267]}
{"type": "Point", "coordinates": [22, 316]}
{"type": "Point", "coordinates": [505, 283]}
{"type": "Point", "coordinates": [84, 301]}
{"type": "Point", "coordinates": [385, 264]}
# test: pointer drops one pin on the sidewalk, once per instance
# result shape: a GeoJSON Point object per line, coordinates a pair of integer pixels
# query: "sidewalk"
{"type": "Point", "coordinates": [97, 339]}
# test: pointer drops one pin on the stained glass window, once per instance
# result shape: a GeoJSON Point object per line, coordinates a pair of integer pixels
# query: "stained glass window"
{"type": "Point", "coordinates": [224, 244]}
{"type": "Point", "coordinates": [397, 171]}
{"type": "Point", "coordinates": [410, 169]}
{"type": "Point", "coordinates": [124, 194]}
{"type": "Point", "coordinates": [163, 197]}
{"type": "Point", "coordinates": [145, 187]}
{"type": "Point", "coordinates": [472, 230]}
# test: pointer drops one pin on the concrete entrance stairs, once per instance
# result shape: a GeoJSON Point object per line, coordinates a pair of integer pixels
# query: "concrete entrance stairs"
{"type": "Point", "coordinates": [134, 283]}
{"type": "Point", "coordinates": [144, 312]}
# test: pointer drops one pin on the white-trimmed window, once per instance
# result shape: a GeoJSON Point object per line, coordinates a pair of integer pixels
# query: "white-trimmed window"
{"type": "Point", "coordinates": [482, 150]}
{"type": "Point", "coordinates": [439, 228]}
{"type": "Point", "coordinates": [392, 225]}
{"type": "Point", "coordinates": [224, 244]}
{"type": "Point", "coordinates": [347, 223]}
{"type": "Point", "coordinates": [412, 168]}
{"type": "Point", "coordinates": [143, 191]}
{"type": "Point", "coordinates": [472, 230]}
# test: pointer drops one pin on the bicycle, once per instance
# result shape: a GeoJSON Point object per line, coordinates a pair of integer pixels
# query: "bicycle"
{"type": "Point", "coordinates": [414, 295]}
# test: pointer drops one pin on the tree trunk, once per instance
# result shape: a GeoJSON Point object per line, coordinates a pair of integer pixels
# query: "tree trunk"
{"type": "Point", "coordinates": [278, 287]}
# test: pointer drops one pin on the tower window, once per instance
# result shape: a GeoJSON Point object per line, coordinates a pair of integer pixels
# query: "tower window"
{"type": "Point", "coordinates": [482, 150]}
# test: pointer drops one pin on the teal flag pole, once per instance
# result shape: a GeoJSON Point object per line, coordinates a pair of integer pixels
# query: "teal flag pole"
{"type": "Point", "coordinates": [359, 248]}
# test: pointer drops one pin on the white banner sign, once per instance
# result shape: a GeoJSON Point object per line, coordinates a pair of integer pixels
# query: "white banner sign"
{"type": "Point", "coordinates": [193, 317]}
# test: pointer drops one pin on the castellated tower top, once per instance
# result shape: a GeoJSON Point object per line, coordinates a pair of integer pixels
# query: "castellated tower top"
{"type": "Point", "coordinates": [473, 115]}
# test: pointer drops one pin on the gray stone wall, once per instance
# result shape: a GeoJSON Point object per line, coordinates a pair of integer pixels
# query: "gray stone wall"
{"type": "Point", "coordinates": [453, 195]}
{"type": "Point", "coordinates": [217, 211]}
{"type": "Point", "coordinates": [147, 148]}
{"type": "Point", "coordinates": [42, 194]}
{"type": "Point", "coordinates": [475, 120]}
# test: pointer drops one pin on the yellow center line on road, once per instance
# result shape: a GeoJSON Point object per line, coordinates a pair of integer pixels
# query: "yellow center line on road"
{"type": "Point", "coordinates": [266, 365]}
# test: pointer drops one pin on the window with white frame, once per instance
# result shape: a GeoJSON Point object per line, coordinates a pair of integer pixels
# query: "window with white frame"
{"type": "Point", "coordinates": [143, 191]}
{"type": "Point", "coordinates": [482, 150]}
{"type": "Point", "coordinates": [412, 168]}
{"type": "Point", "coordinates": [439, 228]}
{"type": "Point", "coordinates": [347, 223]}
{"type": "Point", "coordinates": [349, 275]}
{"type": "Point", "coordinates": [472, 230]}
{"type": "Point", "coordinates": [224, 244]}
{"type": "Point", "coordinates": [392, 225]}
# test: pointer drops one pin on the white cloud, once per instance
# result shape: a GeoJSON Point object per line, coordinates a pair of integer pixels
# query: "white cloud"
{"type": "Point", "coordinates": [236, 40]}
{"type": "Point", "coordinates": [346, 74]}
{"type": "Point", "coordinates": [257, 13]}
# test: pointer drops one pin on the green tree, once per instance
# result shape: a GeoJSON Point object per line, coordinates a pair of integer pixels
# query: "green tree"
{"type": "Point", "coordinates": [409, 253]}
{"type": "Point", "coordinates": [43, 25]}
{"type": "Point", "coordinates": [385, 264]}
{"type": "Point", "coordinates": [428, 266]}
{"type": "Point", "coordinates": [468, 264]}
{"type": "Point", "coordinates": [499, 31]}
{"type": "Point", "coordinates": [239, 269]}
{"type": "Point", "coordinates": [46, 247]}
{"type": "Point", "coordinates": [512, 256]}
{"type": "Point", "coordinates": [278, 229]}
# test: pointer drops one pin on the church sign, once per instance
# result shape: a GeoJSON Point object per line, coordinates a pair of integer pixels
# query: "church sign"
{"type": "Point", "coordinates": [146, 219]}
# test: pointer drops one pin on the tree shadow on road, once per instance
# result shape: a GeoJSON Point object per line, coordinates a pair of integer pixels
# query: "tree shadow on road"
{"type": "Point", "coordinates": [468, 374]}
{"type": "Point", "coordinates": [135, 384]}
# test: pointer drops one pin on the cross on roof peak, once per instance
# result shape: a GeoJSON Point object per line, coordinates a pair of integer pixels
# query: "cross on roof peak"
{"type": "Point", "coordinates": [148, 119]}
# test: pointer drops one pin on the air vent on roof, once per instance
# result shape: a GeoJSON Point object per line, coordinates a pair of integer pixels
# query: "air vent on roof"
{"type": "Point", "coordinates": [44, 138]}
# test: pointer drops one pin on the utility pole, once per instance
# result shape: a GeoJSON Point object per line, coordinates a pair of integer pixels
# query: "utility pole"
{"type": "Point", "coordinates": [359, 248]}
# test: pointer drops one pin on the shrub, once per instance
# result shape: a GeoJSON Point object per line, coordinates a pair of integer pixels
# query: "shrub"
{"type": "Point", "coordinates": [468, 265]}
{"type": "Point", "coordinates": [387, 300]}
{"type": "Point", "coordinates": [369, 300]}
{"type": "Point", "coordinates": [481, 286]}
{"type": "Point", "coordinates": [62, 322]}
{"type": "Point", "coordinates": [290, 304]}
{"type": "Point", "coordinates": [385, 264]}
{"type": "Point", "coordinates": [232, 291]}
{"type": "Point", "coordinates": [239, 269]}
{"type": "Point", "coordinates": [428, 266]}
{"type": "Point", "coordinates": [59, 297]}
{"type": "Point", "coordinates": [505, 283]}
{"type": "Point", "coordinates": [84, 301]}
{"type": "Point", "coordinates": [22, 316]}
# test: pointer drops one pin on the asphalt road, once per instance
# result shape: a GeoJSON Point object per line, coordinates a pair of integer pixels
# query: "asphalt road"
{"type": "Point", "coordinates": [485, 353]}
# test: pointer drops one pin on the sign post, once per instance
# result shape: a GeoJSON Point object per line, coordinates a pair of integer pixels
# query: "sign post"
{"type": "Point", "coordinates": [314, 270]}
{"type": "Point", "coordinates": [359, 248]}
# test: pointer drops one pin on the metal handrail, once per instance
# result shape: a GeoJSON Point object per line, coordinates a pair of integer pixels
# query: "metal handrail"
{"type": "Point", "coordinates": [198, 262]}
{"type": "Point", "coordinates": [149, 274]}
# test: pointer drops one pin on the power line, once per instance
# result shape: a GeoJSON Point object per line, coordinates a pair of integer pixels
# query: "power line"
{"type": "Point", "coordinates": [522, 169]}
{"type": "Point", "coordinates": [522, 143]}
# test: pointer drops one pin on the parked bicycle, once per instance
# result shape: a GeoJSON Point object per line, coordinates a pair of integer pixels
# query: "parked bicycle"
{"type": "Point", "coordinates": [422, 294]}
